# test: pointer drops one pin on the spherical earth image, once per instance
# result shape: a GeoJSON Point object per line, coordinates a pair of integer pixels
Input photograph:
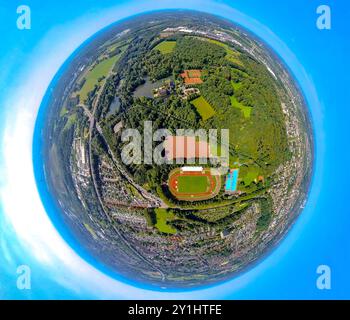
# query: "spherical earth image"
{"type": "Point", "coordinates": [177, 148]}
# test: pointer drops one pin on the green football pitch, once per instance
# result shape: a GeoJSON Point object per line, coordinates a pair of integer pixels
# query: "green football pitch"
{"type": "Point", "coordinates": [192, 184]}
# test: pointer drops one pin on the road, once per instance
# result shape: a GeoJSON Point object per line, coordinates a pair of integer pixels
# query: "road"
{"type": "Point", "coordinates": [93, 124]}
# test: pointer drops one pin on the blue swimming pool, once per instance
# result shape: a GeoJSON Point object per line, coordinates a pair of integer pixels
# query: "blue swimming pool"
{"type": "Point", "coordinates": [231, 181]}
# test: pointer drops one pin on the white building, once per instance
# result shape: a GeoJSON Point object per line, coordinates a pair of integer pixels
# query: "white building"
{"type": "Point", "coordinates": [192, 169]}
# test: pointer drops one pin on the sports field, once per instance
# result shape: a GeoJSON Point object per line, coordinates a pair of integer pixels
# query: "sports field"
{"type": "Point", "coordinates": [166, 47]}
{"type": "Point", "coordinates": [192, 77]}
{"type": "Point", "coordinates": [205, 110]}
{"type": "Point", "coordinates": [193, 186]}
{"type": "Point", "coordinates": [192, 183]}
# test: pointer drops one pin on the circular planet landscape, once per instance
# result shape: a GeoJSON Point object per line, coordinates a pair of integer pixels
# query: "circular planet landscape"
{"type": "Point", "coordinates": [177, 148]}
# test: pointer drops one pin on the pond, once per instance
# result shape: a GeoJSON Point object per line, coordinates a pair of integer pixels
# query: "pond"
{"type": "Point", "coordinates": [146, 89]}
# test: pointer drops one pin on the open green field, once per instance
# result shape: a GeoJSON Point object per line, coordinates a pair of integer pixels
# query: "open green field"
{"type": "Point", "coordinates": [231, 54]}
{"type": "Point", "coordinates": [205, 110]}
{"type": "Point", "coordinates": [192, 184]}
{"type": "Point", "coordinates": [236, 85]}
{"type": "Point", "coordinates": [248, 174]}
{"type": "Point", "coordinates": [162, 216]}
{"type": "Point", "coordinates": [236, 104]}
{"type": "Point", "coordinates": [122, 46]}
{"type": "Point", "coordinates": [100, 70]}
{"type": "Point", "coordinates": [165, 47]}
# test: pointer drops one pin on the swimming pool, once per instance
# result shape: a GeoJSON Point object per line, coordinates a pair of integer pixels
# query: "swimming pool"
{"type": "Point", "coordinates": [231, 181]}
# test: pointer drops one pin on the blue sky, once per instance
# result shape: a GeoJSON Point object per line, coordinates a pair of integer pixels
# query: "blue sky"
{"type": "Point", "coordinates": [30, 58]}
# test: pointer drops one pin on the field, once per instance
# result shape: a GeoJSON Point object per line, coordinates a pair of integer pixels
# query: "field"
{"type": "Point", "coordinates": [236, 104]}
{"type": "Point", "coordinates": [231, 54]}
{"type": "Point", "coordinates": [246, 110]}
{"type": "Point", "coordinates": [249, 174]}
{"type": "Point", "coordinates": [162, 216]}
{"type": "Point", "coordinates": [193, 186]}
{"type": "Point", "coordinates": [70, 121]}
{"type": "Point", "coordinates": [236, 85]}
{"type": "Point", "coordinates": [205, 110]}
{"type": "Point", "coordinates": [100, 70]}
{"type": "Point", "coordinates": [165, 47]}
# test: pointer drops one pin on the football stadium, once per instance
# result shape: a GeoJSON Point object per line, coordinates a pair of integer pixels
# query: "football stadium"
{"type": "Point", "coordinates": [193, 183]}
